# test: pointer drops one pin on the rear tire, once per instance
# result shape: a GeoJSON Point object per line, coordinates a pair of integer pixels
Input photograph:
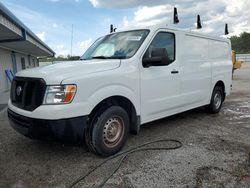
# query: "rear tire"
{"type": "Point", "coordinates": [109, 131]}
{"type": "Point", "coordinates": [216, 100]}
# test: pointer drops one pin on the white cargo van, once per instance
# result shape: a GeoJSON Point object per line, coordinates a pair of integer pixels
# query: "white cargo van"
{"type": "Point", "coordinates": [125, 79]}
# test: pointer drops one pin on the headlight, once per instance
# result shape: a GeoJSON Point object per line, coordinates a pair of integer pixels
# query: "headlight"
{"type": "Point", "coordinates": [59, 94]}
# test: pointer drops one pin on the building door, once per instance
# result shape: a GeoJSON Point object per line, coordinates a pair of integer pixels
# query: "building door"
{"type": "Point", "coordinates": [23, 63]}
{"type": "Point", "coordinates": [13, 59]}
{"type": "Point", "coordinates": [2, 75]}
{"type": "Point", "coordinates": [29, 61]}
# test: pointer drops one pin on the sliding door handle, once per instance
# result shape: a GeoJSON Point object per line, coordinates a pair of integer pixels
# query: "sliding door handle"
{"type": "Point", "coordinates": [174, 72]}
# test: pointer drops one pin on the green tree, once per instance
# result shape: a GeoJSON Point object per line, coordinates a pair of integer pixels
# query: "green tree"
{"type": "Point", "coordinates": [241, 44]}
{"type": "Point", "coordinates": [59, 58]}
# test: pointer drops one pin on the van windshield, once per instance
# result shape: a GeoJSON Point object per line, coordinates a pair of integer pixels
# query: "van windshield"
{"type": "Point", "coordinates": [122, 45]}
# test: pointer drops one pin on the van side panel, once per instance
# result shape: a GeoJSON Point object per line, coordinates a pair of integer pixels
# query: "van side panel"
{"type": "Point", "coordinates": [200, 68]}
{"type": "Point", "coordinates": [220, 57]}
{"type": "Point", "coordinates": [195, 70]}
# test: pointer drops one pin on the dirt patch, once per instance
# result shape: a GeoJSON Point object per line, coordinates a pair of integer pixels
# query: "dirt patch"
{"type": "Point", "coordinates": [212, 176]}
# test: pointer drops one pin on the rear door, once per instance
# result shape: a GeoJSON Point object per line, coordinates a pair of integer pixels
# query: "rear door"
{"type": "Point", "coordinates": [160, 85]}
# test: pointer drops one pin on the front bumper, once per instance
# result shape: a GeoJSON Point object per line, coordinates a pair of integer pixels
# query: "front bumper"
{"type": "Point", "coordinates": [70, 129]}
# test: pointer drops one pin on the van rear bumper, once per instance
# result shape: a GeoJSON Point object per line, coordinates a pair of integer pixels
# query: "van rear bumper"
{"type": "Point", "coordinates": [70, 129]}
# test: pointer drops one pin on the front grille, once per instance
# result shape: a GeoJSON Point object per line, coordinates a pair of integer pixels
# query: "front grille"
{"type": "Point", "coordinates": [27, 93]}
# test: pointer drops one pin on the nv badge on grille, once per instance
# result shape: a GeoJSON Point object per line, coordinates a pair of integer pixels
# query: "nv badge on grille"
{"type": "Point", "coordinates": [19, 90]}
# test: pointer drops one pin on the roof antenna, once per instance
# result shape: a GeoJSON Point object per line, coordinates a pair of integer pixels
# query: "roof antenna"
{"type": "Point", "coordinates": [176, 19]}
{"type": "Point", "coordinates": [226, 29]}
{"type": "Point", "coordinates": [112, 29]}
{"type": "Point", "coordinates": [199, 26]}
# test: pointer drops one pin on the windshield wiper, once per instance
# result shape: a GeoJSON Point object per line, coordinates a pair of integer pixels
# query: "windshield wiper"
{"type": "Point", "coordinates": [99, 57]}
{"type": "Point", "coordinates": [118, 57]}
{"type": "Point", "coordinates": [106, 57]}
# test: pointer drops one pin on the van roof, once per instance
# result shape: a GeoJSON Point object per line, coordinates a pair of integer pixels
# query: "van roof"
{"type": "Point", "coordinates": [173, 28]}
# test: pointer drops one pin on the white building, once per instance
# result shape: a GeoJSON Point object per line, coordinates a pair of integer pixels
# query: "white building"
{"type": "Point", "coordinates": [19, 47]}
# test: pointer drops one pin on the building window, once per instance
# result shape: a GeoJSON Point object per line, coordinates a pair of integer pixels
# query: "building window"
{"type": "Point", "coordinates": [23, 63]}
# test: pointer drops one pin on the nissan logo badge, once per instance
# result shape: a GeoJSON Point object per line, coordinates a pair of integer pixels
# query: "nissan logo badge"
{"type": "Point", "coordinates": [19, 90]}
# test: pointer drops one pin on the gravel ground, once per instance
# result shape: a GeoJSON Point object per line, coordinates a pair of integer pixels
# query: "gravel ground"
{"type": "Point", "coordinates": [2, 106]}
{"type": "Point", "coordinates": [215, 152]}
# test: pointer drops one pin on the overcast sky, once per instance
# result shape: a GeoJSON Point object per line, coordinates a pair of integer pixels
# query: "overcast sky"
{"type": "Point", "coordinates": [52, 20]}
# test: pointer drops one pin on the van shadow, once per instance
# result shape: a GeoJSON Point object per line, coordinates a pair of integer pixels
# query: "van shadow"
{"type": "Point", "coordinates": [172, 121]}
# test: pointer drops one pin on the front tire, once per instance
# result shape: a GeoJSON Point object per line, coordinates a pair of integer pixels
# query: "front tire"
{"type": "Point", "coordinates": [216, 100]}
{"type": "Point", "coordinates": [110, 131]}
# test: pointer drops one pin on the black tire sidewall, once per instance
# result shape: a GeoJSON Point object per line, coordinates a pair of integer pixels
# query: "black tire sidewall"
{"type": "Point", "coordinates": [212, 104]}
{"type": "Point", "coordinates": [97, 133]}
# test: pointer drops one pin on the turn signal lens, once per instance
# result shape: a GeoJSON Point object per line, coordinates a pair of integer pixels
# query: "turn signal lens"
{"type": "Point", "coordinates": [70, 93]}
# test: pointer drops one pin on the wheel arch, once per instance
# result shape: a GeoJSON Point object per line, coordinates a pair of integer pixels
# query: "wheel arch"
{"type": "Point", "coordinates": [221, 84]}
{"type": "Point", "coordinates": [123, 102]}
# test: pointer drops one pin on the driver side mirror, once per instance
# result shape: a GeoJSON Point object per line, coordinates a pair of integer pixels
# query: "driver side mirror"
{"type": "Point", "coordinates": [158, 57]}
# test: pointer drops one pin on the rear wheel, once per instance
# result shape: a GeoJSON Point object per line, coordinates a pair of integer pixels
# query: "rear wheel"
{"type": "Point", "coordinates": [216, 100]}
{"type": "Point", "coordinates": [110, 131]}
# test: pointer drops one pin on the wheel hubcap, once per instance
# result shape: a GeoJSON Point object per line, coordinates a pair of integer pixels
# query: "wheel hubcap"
{"type": "Point", "coordinates": [113, 131]}
{"type": "Point", "coordinates": [217, 100]}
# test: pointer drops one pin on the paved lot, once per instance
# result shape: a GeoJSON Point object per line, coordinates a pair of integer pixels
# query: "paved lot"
{"type": "Point", "coordinates": [2, 106]}
{"type": "Point", "coordinates": [4, 96]}
{"type": "Point", "coordinates": [215, 152]}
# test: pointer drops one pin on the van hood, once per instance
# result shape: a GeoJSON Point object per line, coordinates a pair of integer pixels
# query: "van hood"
{"type": "Point", "coordinates": [56, 73]}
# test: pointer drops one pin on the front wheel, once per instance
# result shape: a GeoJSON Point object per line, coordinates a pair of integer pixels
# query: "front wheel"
{"type": "Point", "coordinates": [110, 131]}
{"type": "Point", "coordinates": [216, 100]}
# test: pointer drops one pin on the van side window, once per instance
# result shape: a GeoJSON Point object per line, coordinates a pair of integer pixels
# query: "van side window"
{"type": "Point", "coordinates": [163, 40]}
